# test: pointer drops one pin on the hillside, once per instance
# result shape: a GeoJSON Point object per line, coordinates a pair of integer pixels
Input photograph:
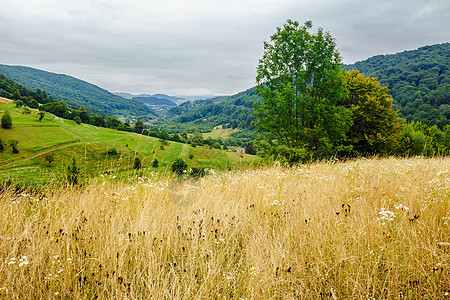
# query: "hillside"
{"type": "Point", "coordinates": [418, 80]}
{"type": "Point", "coordinates": [234, 112]}
{"type": "Point", "coordinates": [155, 101]}
{"type": "Point", "coordinates": [97, 150]}
{"type": "Point", "coordinates": [76, 92]}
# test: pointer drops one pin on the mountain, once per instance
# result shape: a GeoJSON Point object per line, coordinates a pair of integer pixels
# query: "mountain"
{"type": "Point", "coordinates": [227, 112]}
{"type": "Point", "coordinates": [418, 80]}
{"type": "Point", "coordinates": [150, 99]}
{"type": "Point", "coordinates": [76, 92]}
{"type": "Point", "coordinates": [155, 101]}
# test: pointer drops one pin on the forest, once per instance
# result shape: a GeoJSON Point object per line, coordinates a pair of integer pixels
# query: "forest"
{"type": "Point", "coordinates": [418, 80]}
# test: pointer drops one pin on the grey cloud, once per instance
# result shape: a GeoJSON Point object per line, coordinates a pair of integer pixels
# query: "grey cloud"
{"type": "Point", "coordinates": [213, 47]}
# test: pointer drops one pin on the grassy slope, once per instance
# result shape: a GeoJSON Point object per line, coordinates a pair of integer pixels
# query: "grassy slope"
{"type": "Point", "coordinates": [363, 229]}
{"type": "Point", "coordinates": [89, 145]}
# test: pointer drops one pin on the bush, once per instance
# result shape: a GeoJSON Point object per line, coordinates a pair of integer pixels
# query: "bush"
{"type": "Point", "coordinates": [49, 157]}
{"type": "Point", "coordinates": [112, 151]}
{"type": "Point", "coordinates": [73, 173]}
{"type": "Point", "coordinates": [1, 145]}
{"type": "Point", "coordinates": [6, 120]}
{"type": "Point", "coordinates": [137, 163]}
{"type": "Point", "coordinates": [197, 172]}
{"type": "Point", "coordinates": [179, 166]}
{"type": "Point", "coordinates": [77, 120]}
{"type": "Point", "coordinates": [155, 163]}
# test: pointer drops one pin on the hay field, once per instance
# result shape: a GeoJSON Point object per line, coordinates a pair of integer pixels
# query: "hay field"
{"type": "Point", "coordinates": [362, 229]}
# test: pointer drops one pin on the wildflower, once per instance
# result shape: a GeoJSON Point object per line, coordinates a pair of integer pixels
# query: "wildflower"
{"type": "Point", "coordinates": [401, 207]}
{"type": "Point", "coordinates": [12, 261]}
{"type": "Point", "coordinates": [386, 216]}
{"type": "Point", "coordinates": [23, 261]}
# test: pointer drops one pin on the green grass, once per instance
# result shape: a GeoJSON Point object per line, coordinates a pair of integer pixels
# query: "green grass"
{"type": "Point", "coordinates": [219, 132]}
{"type": "Point", "coordinates": [89, 145]}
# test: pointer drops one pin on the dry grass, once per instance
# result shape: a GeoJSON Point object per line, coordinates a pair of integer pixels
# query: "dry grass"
{"type": "Point", "coordinates": [362, 229]}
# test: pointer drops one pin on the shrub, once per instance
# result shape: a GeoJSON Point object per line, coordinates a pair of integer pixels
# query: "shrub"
{"type": "Point", "coordinates": [13, 144]}
{"type": "Point", "coordinates": [77, 120]}
{"type": "Point", "coordinates": [49, 157]}
{"type": "Point", "coordinates": [6, 120]}
{"type": "Point", "coordinates": [197, 172]}
{"type": "Point", "coordinates": [155, 163]}
{"type": "Point", "coordinates": [73, 173]}
{"type": "Point", "coordinates": [179, 166]}
{"type": "Point", "coordinates": [1, 145]}
{"type": "Point", "coordinates": [137, 163]}
{"type": "Point", "coordinates": [112, 151]}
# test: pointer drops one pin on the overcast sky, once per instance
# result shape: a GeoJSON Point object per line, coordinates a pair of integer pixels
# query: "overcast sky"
{"type": "Point", "coordinates": [198, 47]}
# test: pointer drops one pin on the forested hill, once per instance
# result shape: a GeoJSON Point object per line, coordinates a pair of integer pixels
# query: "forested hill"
{"type": "Point", "coordinates": [76, 92]}
{"type": "Point", "coordinates": [231, 111]}
{"type": "Point", "coordinates": [418, 80]}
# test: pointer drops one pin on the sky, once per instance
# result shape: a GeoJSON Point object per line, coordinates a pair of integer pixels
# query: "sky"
{"type": "Point", "coordinates": [198, 47]}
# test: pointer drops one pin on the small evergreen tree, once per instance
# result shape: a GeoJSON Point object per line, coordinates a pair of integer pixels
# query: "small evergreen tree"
{"type": "Point", "coordinates": [73, 173]}
{"type": "Point", "coordinates": [41, 115]}
{"type": "Point", "coordinates": [249, 149]}
{"type": "Point", "coordinates": [137, 163]}
{"type": "Point", "coordinates": [13, 144]}
{"type": "Point", "coordinates": [139, 126]}
{"type": "Point", "coordinates": [155, 163]}
{"type": "Point", "coordinates": [6, 120]}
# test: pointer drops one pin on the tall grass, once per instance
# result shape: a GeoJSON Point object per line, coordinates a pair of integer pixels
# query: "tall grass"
{"type": "Point", "coordinates": [361, 229]}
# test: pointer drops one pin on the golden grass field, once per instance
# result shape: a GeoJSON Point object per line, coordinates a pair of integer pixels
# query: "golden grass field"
{"type": "Point", "coordinates": [362, 229]}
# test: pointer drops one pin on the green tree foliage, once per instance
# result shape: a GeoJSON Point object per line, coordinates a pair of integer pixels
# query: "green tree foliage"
{"type": "Point", "coordinates": [376, 127]}
{"type": "Point", "coordinates": [49, 157]}
{"type": "Point", "coordinates": [137, 163]}
{"type": "Point", "coordinates": [77, 120]}
{"type": "Point", "coordinates": [1, 146]}
{"type": "Point", "coordinates": [76, 92]}
{"type": "Point", "coordinates": [300, 80]}
{"type": "Point", "coordinates": [6, 120]}
{"type": "Point", "coordinates": [250, 149]}
{"type": "Point", "coordinates": [179, 166]}
{"type": "Point", "coordinates": [18, 103]}
{"type": "Point", "coordinates": [73, 173]}
{"type": "Point", "coordinates": [41, 115]}
{"type": "Point", "coordinates": [418, 80]}
{"type": "Point", "coordinates": [13, 144]}
{"type": "Point", "coordinates": [97, 121]}
{"type": "Point", "coordinates": [419, 139]}
{"type": "Point", "coordinates": [155, 163]}
{"type": "Point", "coordinates": [33, 104]}
{"type": "Point", "coordinates": [139, 126]}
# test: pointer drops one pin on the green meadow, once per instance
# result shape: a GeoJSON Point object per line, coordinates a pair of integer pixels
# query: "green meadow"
{"type": "Point", "coordinates": [96, 150]}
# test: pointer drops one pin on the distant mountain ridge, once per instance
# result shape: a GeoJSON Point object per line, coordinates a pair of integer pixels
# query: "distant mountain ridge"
{"type": "Point", "coordinates": [76, 92]}
{"type": "Point", "coordinates": [155, 101]}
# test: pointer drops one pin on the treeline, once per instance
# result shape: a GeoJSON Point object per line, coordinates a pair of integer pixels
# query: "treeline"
{"type": "Point", "coordinates": [228, 112]}
{"type": "Point", "coordinates": [235, 112]}
{"type": "Point", "coordinates": [418, 80]}
{"type": "Point", "coordinates": [77, 93]}
{"type": "Point", "coordinates": [39, 99]}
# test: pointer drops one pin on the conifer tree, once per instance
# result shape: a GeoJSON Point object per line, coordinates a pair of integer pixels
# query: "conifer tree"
{"type": "Point", "coordinates": [6, 120]}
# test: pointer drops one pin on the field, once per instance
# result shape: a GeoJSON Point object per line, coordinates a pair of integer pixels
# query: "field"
{"type": "Point", "coordinates": [90, 146]}
{"type": "Point", "coordinates": [361, 229]}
